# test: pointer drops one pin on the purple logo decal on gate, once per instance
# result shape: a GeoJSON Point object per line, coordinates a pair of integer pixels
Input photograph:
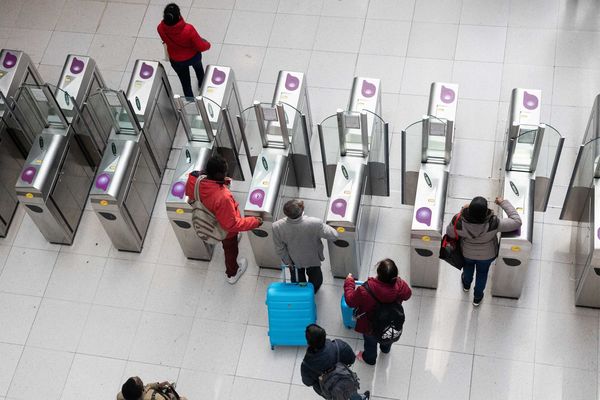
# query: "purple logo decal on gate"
{"type": "Point", "coordinates": [218, 77]}
{"type": "Point", "coordinates": [530, 101]}
{"type": "Point", "coordinates": [598, 233]}
{"type": "Point", "coordinates": [77, 66]}
{"type": "Point", "coordinates": [257, 197]}
{"type": "Point", "coordinates": [146, 71]}
{"type": "Point", "coordinates": [178, 190]}
{"type": "Point", "coordinates": [423, 215]}
{"type": "Point", "coordinates": [368, 89]}
{"type": "Point", "coordinates": [102, 181]}
{"type": "Point", "coordinates": [447, 95]}
{"type": "Point", "coordinates": [9, 60]}
{"type": "Point", "coordinates": [28, 174]}
{"type": "Point", "coordinates": [339, 207]}
{"type": "Point", "coordinates": [291, 82]}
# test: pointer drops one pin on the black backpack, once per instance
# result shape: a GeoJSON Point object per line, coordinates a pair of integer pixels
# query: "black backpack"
{"type": "Point", "coordinates": [338, 383]}
{"type": "Point", "coordinates": [387, 320]}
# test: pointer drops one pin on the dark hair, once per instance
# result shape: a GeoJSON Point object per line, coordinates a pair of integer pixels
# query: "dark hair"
{"type": "Point", "coordinates": [477, 210]}
{"type": "Point", "coordinates": [315, 337]}
{"type": "Point", "coordinates": [132, 389]}
{"type": "Point", "coordinates": [387, 270]}
{"type": "Point", "coordinates": [171, 14]}
{"type": "Point", "coordinates": [293, 208]}
{"type": "Point", "coordinates": [216, 168]}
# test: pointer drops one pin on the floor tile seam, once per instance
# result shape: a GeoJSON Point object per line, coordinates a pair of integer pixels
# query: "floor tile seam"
{"type": "Point", "coordinates": [137, 35]}
{"type": "Point", "coordinates": [596, 370]}
{"type": "Point", "coordinates": [12, 378]}
{"type": "Point", "coordinates": [239, 356]}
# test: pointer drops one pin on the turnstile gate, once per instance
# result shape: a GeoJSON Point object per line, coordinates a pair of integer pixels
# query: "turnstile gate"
{"type": "Point", "coordinates": [532, 154]}
{"type": "Point", "coordinates": [57, 174]}
{"type": "Point", "coordinates": [425, 182]}
{"type": "Point", "coordinates": [582, 205]}
{"type": "Point", "coordinates": [16, 69]}
{"type": "Point", "coordinates": [282, 162]}
{"type": "Point", "coordinates": [142, 124]}
{"type": "Point", "coordinates": [355, 153]}
{"type": "Point", "coordinates": [210, 129]}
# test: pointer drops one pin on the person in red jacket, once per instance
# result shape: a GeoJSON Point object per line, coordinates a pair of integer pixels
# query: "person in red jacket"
{"type": "Point", "coordinates": [216, 196]}
{"type": "Point", "coordinates": [184, 45]}
{"type": "Point", "coordinates": [387, 288]}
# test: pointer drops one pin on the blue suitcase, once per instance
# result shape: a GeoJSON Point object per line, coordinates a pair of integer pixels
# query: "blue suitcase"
{"type": "Point", "coordinates": [347, 312]}
{"type": "Point", "coordinates": [291, 308]}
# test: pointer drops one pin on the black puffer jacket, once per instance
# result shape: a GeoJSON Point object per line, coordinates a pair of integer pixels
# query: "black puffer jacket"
{"type": "Point", "coordinates": [315, 363]}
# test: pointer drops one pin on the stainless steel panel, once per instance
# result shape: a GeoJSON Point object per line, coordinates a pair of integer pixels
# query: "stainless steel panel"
{"type": "Point", "coordinates": [193, 157]}
{"type": "Point", "coordinates": [515, 247]}
{"type": "Point", "coordinates": [269, 174]}
{"type": "Point", "coordinates": [587, 262]}
{"type": "Point", "coordinates": [11, 164]}
{"type": "Point", "coordinates": [345, 252]}
{"type": "Point", "coordinates": [428, 224]}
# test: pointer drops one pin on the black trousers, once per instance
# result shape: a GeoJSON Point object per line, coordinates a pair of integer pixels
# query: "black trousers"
{"type": "Point", "coordinates": [182, 68]}
{"type": "Point", "coordinates": [315, 276]}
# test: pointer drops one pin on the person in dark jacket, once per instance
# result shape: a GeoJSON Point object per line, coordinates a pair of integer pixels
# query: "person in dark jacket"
{"type": "Point", "coordinates": [387, 287]}
{"type": "Point", "coordinates": [184, 45]}
{"type": "Point", "coordinates": [478, 229]}
{"type": "Point", "coordinates": [322, 356]}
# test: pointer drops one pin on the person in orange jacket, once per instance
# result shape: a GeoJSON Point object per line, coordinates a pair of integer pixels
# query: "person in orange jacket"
{"type": "Point", "coordinates": [218, 199]}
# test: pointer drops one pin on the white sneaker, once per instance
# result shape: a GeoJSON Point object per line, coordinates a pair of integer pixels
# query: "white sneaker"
{"type": "Point", "coordinates": [243, 265]}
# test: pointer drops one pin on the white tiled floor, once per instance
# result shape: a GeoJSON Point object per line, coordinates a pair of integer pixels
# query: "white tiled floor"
{"type": "Point", "coordinates": [76, 321]}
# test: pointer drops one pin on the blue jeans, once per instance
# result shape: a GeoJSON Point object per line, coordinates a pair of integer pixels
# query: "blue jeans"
{"type": "Point", "coordinates": [482, 267]}
{"type": "Point", "coordinates": [370, 353]}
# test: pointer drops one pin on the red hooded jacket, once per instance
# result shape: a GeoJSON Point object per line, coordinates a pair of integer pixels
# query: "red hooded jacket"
{"type": "Point", "coordinates": [358, 297]}
{"type": "Point", "coordinates": [218, 199]}
{"type": "Point", "coordinates": [182, 40]}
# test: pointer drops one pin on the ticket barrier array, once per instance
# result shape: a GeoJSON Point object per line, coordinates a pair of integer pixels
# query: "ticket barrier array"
{"type": "Point", "coordinates": [210, 129]}
{"type": "Point", "coordinates": [142, 124]}
{"type": "Point", "coordinates": [55, 179]}
{"type": "Point", "coordinates": [582, 205]}
{"type": "Point", "coordinates": [16, 69]}
{"type": "Point", "coordinates": [425, 182]}
{"type": "Point", "coordinates": [532, 154]}
{"type": "Point", "coordinates": [280, 162]}
{"type": "Point", "coordinates": [355, 153]}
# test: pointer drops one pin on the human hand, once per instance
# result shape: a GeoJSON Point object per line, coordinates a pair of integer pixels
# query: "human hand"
{"type": "Point", "coordinates": [498, 200]}
{"type": "Point", "coordinates": [260, 221]}
{"type": "Point", "coordinates": [164, 384]}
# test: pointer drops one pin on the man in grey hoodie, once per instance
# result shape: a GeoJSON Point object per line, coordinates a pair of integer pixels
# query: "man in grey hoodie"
{"type": "Point", "coordinates": [477, 229]}
{"type": "Point", "coordinates": [297, 239]}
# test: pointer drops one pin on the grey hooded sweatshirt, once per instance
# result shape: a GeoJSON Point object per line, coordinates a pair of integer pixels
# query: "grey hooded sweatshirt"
{"type": "Point", "coordinates": [480, 241]}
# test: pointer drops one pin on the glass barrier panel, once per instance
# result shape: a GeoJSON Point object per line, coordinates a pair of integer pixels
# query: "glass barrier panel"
{"type": "Point", "coordinates": [194, 120]}
{"type": "Point", "coordinates": [122, 114]}
{"type": "Point", "coordinates": [523, 150]}
{"type": "Point", "coordinates": [300, 146]}
{"type": "Point", "coordinates": [549, 151]}
{"type": "Point", "coordinates": [435, 142]}
{"type": "Point", "coordinates": [252, 133]}
{"type": "Point", "coordinates": [379, 173]}
{"type": "Point", "coordinates": [412, 152]}
{"type": "Point", "coordinates": [330, 148]}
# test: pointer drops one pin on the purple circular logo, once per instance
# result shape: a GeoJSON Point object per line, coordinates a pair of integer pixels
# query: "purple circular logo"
{"type": "Point", "coordinates": [102, 181]}
{"type": "Point", "coordinates": [447, 95]}
{"type": "Point", "coordinates": [28, 174]}
{"type": "Point", "coordinates": [146, 71]}
{"type": "Point", "coordinates": [257, 197]}
{"type": "Point", "coordinates": [530, 101]}
{"type": "Point", "coordinates": [423, 215]}
{"type": "Point", "coordinates": [10, 60]}
{"type": "Point", "coordinates": [291, 82]}
{"type": "Point", "coordinates": [338, 206]}
{"type": "Point", "coordinates": [218, 77]}
{"type": "Point", "coordinates": [76, 66]}
{"type": "Point", "coordinates": [368, 89]}
{"type": "Point", "coordinates": [178, 190]}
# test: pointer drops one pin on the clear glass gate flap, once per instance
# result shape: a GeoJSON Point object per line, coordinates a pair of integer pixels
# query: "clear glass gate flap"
{"type": "Point", "coordinates": [194, 120]}
{"type": "Point", "coordinates": [523, 153]}
{"type": "Point", "coordinates": [330, 148]}
{"type": "Point", "coordinates": [434, 139]}
{"type": "Point", "coordinates": [44, 104]}
{"type": "Point", "coordinates": [120, 112]}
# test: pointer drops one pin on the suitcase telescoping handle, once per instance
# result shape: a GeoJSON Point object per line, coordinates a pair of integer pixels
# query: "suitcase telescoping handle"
{"type": "Point", "coordinates": [293, 270]}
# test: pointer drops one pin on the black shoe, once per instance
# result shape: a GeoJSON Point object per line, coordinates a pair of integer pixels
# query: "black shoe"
{"type": "Point", "coordinates": [465, 286]}
{"type": "Point", "coordinates": [477, 301]}
{"type": "Point", "coordinates": [367, 395]}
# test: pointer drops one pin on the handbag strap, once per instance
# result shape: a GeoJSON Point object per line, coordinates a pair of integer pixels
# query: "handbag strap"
{"type": "Point", "coordinates": [456, 222]}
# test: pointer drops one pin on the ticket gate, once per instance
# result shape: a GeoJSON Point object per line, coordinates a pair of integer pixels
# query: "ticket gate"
{"type": "Point", "coordinates": [355, 153]}
{"type": "Point", "coordinates": [55, 179]}
{"type": "Point", "coordinates": [278, 151]}
{"type": "Point", "coordinates": [532, 153]}
{"type": "Point", "coordinates": [210, 128]}
{"type": "Point", "coordinates": [582, 205]}
{"type": "Point", "coordinates": [425, 182]}
{"type": "Point", "coordinates": [143, 123]}
{"type": "Point", "coordinates": [16, 69]}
